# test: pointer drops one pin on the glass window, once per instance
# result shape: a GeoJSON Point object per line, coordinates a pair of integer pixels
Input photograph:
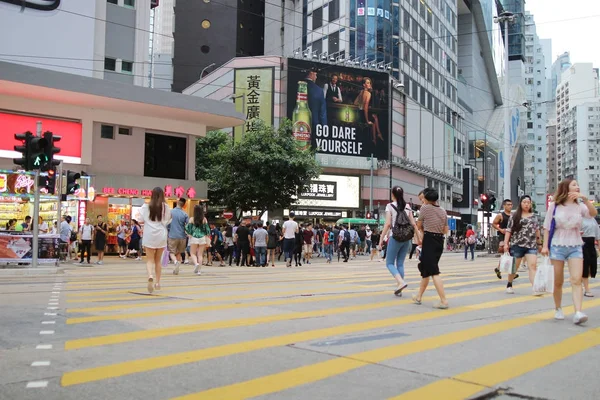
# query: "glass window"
{"type": "Point", "coordinates": [415, 60]}
{"type": "Point", "coordinates": [124, 131]}
{"type": "Point", "coordinates": [422, 66]}
{"type": "Point", "coordinates": [396, 20]}
{"type": "Point", "coordinates": [396, 57]}
{"type": "Point", "coordinates": [127, 66]}
{"type": "Point", "coordinates": [317, 47]}
{"type": "Point", "coordinates": [406, 52]}
{"type": "Point", "coordinates": [429, 17]}
{"type": "Point", "coordinates": [317, 18]}
{"type": "Point", "coordinates": [334, 42]}
{"type": "Point", "coordinates": [113, 1]}
{"type": "Point", "coordinates": [353, 13]}
{"type": "Point", "coordinates": [334, 10]}
{"type": "Point", "coordinates": [129, 3]}
{"type": "Point", "coordinates": [110, 64]}
{"type": "Point", "coordinates": [352, 44]}
{"type": "Point", "coordinates": [406, 20]}
{"type": "Point", "coordinates": [415, 28]}
{"type": "Point", "coordinates": [415, 91]}
{"type": "Point", "coordinates": [422, 38]}
{"type": "Point", "coordinates": [107, 131]}
{"type": "Point", "coordinates": [165, 156]}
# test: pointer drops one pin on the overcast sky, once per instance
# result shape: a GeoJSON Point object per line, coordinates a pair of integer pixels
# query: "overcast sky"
{"type": "Point", "coordinates": [579, 36]}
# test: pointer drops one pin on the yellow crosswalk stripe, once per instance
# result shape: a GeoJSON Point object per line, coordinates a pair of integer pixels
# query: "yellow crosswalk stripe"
{"type": "Point", "coordinates": [153, 363]}
{"type": "Point", "coordinates": [307, 299]}
{"type": "Point", "coordinates": [315, 372]}
{"type": "Point", "coordinates": [467, 384]}
{"type": "Point", "coordinates": [178, 330]}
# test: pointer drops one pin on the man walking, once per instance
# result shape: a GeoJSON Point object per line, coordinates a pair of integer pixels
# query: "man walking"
{"type": "Point", "coordinates": [176, 239]}
{"type": "Point", "coordinates": [290, 227]}
{"type": "Point", "coordinates": [308, 236]}
{"type": "Point", "coordinates": [243, 239]}
{"type": "Point", "coordinates": [344, 243]}
{"type": "Point", "coordinates": [259, 242]}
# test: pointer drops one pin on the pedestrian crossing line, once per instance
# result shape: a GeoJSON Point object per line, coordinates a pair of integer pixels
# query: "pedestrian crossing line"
{"type": "Point", "coordinates": [154, 363]}
{"type": "Point", "coordinates": [467, 384]}
{"type": "Point", "coordinates": [278, 382]}
{"type": "Point", "coordinates": [268, 303]}
{"type": "Point", "coordinates": [495, 280]}
{"type": "Point", "coordinates": [233, 323]}
{"type": "Point", "coordinates": [270, 294]}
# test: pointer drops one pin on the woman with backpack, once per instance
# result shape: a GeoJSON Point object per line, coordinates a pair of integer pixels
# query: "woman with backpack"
{"type": "Point", "coordinates": [470, 242]}
{"type": "Point", "coordinates": [399, 219]}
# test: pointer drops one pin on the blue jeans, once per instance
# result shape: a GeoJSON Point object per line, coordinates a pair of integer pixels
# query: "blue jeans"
{"type": "Point", "coordinates": [472, 247]}
{"type": "Point", "coordinates": [288, 249]}
{"type": "Point", "coordinates": [395, 255]}
{"type": "Point", "coordinates": [261, 255]}
{"type": "Point", "coordinates": [328, 249]}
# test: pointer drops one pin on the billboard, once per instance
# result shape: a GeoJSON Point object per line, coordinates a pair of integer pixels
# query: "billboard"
{"type": "Point", "coordinates": [331, 191]}
{"type": "Point", "coordinates": [339, 110]}
{"type": "Point", "coordinates": [253, 93]}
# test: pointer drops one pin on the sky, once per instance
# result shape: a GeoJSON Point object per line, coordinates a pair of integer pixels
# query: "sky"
{"type": "Point", "coordinates": [579, 36]}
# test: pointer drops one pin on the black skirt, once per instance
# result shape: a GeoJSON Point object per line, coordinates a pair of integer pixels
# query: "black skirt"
{"type": "Point", "coordinates": [590, 258]}
{"type": "Point", "coordinates": [433, 247]}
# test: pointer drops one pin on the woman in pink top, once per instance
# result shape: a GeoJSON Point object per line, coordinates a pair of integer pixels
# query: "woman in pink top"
{"type": "Point", "coordinates": [568, 210]}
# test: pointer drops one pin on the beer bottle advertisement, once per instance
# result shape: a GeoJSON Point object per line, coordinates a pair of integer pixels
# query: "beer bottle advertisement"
{"type": "Point", "coordinates": [339, 110]}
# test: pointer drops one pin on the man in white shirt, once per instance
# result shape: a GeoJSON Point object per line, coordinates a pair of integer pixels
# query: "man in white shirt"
{"type": "Point", "coordinates": [290, 227]}
{"type": "Point", "coordinates": [332, 92]}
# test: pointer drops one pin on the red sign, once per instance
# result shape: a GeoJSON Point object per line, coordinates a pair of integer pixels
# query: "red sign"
{"type": "Point", "coordinates": [70, 133]}
{"type": "Point", "coordinates": [227, 214]}
{"type": "Point", "coordinates": [169, 192]}
{"type": "Point", "coordinates": [81, 211]}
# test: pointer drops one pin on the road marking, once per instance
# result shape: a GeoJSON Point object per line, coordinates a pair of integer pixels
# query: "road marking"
{"type": "Point", "coordinates": [50, 314]}
{"type": "Point", "coordinates": [469, 383]}
{"type": "Point", "coordinates": [313, 373]}
{"type": "Point", "coordinates": [148, 364]}
{"type": "Point", "coordinates": [182, 329]}
{"type": "Point", "coordinates": [36, 384]}
{"type": "Point", "coordinates": [52, 308]}
{"type": "Point", "coordinates": [46, 332]}
{"type": "Point", "coordinates": [215, 307]}
{"type": "Point", "coordinates": [48, 322]}
{"type": "Point", "coordinates": [55, 292]}
{"type": "Point", "coordinates": [43, 347]}
{"type": "Point", "coordinates": [40, 363]}
{"type": "Point", "coordinates": [52, 303]}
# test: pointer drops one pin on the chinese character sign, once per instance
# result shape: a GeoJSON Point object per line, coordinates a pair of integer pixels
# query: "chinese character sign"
{"type": "Point", "coordinates": [320, 190]}
{"type": "Point", "coordinates": [253, 97]}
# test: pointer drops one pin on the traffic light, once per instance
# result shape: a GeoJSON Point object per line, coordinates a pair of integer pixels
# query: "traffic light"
{"type": "Point", "coordinates": [50, 150]}
{"type": "Point", "coordinates": [37, 152]}
{"type": "Point", "coordinates": [72, 184]}
{"type": "Point", "coordinates": [492, 202]}
{"type": "Point", "coordinates": [25, 139]}
{"type": "Point", "coordinates": [51, 181]}
{"type": "Point", "coordinates": [368, 216]}
{"type": "Point", "coordinates": [483, 201]}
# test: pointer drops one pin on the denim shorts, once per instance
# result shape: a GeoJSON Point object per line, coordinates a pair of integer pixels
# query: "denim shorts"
{"type": "Point", "coordinates": [520, 252]}
{"type": "Point", "coordinates": [564, 253]}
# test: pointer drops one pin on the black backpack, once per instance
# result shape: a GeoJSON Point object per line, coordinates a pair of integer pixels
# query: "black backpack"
{"type": "Point", "coordinates": [403, 229]}
{"type": "Point", "coordinates": [347, 236]}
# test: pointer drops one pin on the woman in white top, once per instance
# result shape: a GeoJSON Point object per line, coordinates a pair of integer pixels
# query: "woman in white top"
{"type": "Point", "coordinates": [155, 215]}
{"type": "Point", "coordinates": [42, 226]}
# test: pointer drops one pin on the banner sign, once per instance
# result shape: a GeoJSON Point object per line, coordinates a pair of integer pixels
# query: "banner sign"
{"type": "Point", "coordinates": [254, 97]}
{"type": "Point", "coordinates": [16, 183]}
{"type": "Point", "coordinates": [346, 109]}
{"type": "Point", "coordinates": [19, 248]}
{"type": "Point", "coordinates": [320, 190]}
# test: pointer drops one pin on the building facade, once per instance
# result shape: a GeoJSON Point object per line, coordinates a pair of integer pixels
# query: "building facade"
{"type": "Point", "coordinates": [208, 34]}
{"type": "Point", "coordinates": [111, 39]}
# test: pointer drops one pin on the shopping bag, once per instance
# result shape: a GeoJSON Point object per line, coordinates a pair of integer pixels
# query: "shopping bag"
{"type": "Point", "coordinates": [506, 264]}
{"type": "Point", "coordinates": [165, 258]}
{"type": "Point", "coordinates": [544, 277]}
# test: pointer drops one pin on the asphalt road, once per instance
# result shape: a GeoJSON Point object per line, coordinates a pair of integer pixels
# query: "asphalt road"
{"type": "Point", "coordinates": [314, 332]}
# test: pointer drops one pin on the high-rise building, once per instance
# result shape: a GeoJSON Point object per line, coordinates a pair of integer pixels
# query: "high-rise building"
{"type": "Point", "coordinates": [105, 39]}
{"type": "Point", "coordinates": [208, 34]}
{"type": "Point", "coordinates": [516, 30]}
{"type": "Point", "coordinates": [577, 147]}
{"type": "Point", "coordinates": [161, 45]}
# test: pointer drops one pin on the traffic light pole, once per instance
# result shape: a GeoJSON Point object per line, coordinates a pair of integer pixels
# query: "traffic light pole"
{"type": "Point", "coordinates": [36, 219]}
{"type": "Point", "coordinates": [58, 193]}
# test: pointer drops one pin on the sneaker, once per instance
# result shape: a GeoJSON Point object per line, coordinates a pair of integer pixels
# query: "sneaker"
{"type": "Point", "coordinates": [579, 318]}
{"type": "Point", "coordinates": [138, 259]}
{"type": "Point", "coordinates": [558, 315]}
{"type": "Point", "coordinates": [510, 290]}
{"type": "Point", "coordinates": [186, 262]}
{"type": "Point", "coordinates": [100, 262]}
{"type": "Point", "coordinates": [176, 269]}
{"type": "Point", "coordinates": [199, 272]}
{"type": "Point", "coordinates": [196, 269]}
{"type": "Point", "coordinates": [537, 294]}
{"type": "Point", "coordinates": [81, 262]}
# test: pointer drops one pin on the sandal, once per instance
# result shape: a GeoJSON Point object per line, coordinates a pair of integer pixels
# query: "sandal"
{"type": "Point", "coordinates": [150, 285]}
{"type": "Point", "coordinates": [440, 306]}
{"type": "Point", "coordinates": [588, 294]}
{"type": "Point", "coordinates": [498, 274]}
{"type": "Point", "coordinates": [157, 286]}
{"type": "Point", "coordinates": [416, 300]}
{"type": "Point", "coordinates": [398, 292]}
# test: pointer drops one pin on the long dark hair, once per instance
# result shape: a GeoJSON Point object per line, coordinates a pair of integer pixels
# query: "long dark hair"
{"type": "Point", "coordinates": [562, 192]}
{"type": "Point", "coordinates": [517, 217]}
{"type": "Point", "coordinates": [229, 231]}
{"type": "Point", "coordinates": [398, 194]}
{"type": "Point", "coordinates": [157, 201]}
{"type": "Point", "coordinates": [198, 215]}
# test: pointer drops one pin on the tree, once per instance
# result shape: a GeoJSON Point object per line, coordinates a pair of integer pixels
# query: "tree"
{"type": "Point", "coordinates": [205, 148]}
{"type": "Point", "coordinates": [264, 170]}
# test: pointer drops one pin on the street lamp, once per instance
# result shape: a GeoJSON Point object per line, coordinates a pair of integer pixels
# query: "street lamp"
{"type": "Point", "coordinates": [506, 18]}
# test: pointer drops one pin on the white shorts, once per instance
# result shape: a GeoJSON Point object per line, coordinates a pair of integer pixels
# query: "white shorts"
{"type": "Point", "coordinates": [199, 241]}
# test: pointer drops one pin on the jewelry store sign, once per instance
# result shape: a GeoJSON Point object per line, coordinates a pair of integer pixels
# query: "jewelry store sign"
{"type": "Point", "coordinates": [320, 190]}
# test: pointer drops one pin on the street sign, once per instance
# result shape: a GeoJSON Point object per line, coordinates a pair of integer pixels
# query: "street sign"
{"type": "Point", "coordinates": [227, 214]}
{"type": "Point", "coordinates": [452, 224]}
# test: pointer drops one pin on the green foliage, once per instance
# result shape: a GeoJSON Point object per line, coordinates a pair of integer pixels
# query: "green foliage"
{"type": "Point", "coordinates": [262, 171]}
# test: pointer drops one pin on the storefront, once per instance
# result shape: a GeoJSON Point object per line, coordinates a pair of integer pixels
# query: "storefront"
{"type": "Point", "coordinates": [327, 199]}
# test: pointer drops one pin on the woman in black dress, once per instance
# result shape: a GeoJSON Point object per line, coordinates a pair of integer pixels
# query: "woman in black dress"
{"type": "Point", "coordinates": [364, 101]}
{"type": "Point", "coordinates": [272, 241]}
